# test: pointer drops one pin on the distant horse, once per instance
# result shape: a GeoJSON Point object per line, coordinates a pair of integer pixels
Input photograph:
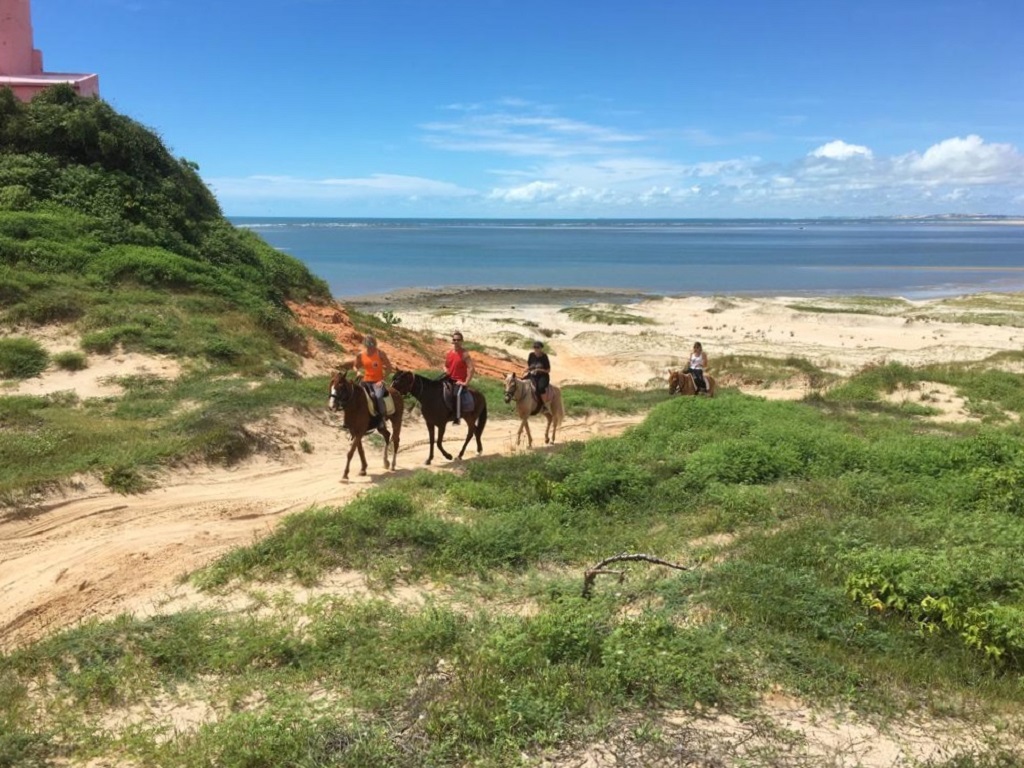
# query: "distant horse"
{"type": "Point", "coordinates": [351, 398]}
{"type": "Point", "coordinates": [524, 392]}
{"type": "Point", "coordinates": [683, 383]}
{"type": "Point", "coordinates": [437, 413]}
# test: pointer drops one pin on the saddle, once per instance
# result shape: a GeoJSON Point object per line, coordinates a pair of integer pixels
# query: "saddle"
{"type": "Point", "coordinates": [448, 393]}
{"type": "Point", "coordinates": [697, 388]}
{"type": "Point", "coordinates": [540, 401]}
{"type": "Point", "coordinates": [371, 400]}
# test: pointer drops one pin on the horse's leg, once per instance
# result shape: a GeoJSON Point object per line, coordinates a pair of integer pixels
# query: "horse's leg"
{"type": "Point", "coordinates": [547, 429]}
{"type": "Point", "coordinates": [396, 425]}
{"type": "Point", "coordinates": [362, 458]}
{"type": "Point", "coordinates": [357, 442]}
{"type": "Point", "coordinates": [525, 425]}
{"type": "Point", "coordinates": [479, 422]}
{"type": "Point", "coordinates": [470, 424]}
{"type": "Point", "coordinates": [440, 436]}
{"type": "Point", "coordinates": [387, 442]}
{"type": "Point", "coordinates": [519, 434]}
{"type": "Point", "coordinates": [430, 432]}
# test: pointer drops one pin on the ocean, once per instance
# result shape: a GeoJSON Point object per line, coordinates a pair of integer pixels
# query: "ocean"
{"type": "Point", "coordinates": [912, 258]}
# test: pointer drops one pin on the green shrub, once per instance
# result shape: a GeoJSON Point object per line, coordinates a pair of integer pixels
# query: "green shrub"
{"type": "Point", "coordinates": [22, 358]}
{"type": "Point", "coordinates": [70, 360]}
{"type": "Point", "coordinates": [16, 197]}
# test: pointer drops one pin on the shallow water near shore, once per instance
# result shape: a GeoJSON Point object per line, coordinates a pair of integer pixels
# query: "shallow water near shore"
{"type": "Point", "coordinates": [910, 258]}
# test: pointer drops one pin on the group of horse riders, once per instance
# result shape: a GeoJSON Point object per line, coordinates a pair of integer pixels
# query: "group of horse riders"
{"type": "Point", "coordinates": [372, 365]}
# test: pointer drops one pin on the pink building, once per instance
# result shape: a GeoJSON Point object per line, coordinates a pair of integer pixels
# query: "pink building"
{"type": "Point", "coordinates": [21, 65]}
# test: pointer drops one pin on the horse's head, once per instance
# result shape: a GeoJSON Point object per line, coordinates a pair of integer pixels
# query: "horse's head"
{"type": "Point", "coordinates": [675, 383]}
{"type": "Point", "coordinates": [510, 387]}
{"type": "Point", "coordinates": [402, 381]}
{"type": "Point", "coordinates": [341, 391]}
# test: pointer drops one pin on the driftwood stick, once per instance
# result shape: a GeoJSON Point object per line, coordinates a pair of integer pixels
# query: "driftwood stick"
{"type": "Point", "coordinates": [592, 573]}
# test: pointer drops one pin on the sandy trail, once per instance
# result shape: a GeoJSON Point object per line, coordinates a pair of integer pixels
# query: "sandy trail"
{"type": "Point", "coordinates": [96, 554]}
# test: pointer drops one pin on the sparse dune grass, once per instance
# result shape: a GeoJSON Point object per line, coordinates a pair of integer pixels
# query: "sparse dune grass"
{"type": "Point", "coordinates": [761, 370]}
{"type": "Point", "coordinates": [862, 305]}
{"type": "Point", "coordinates": [605, 314]}
{"type": "Point", "coordinates": [518, 340]}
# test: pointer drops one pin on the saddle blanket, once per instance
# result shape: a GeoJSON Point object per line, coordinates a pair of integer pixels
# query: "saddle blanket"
{"type": "Point", "coordinates": [389, 402]}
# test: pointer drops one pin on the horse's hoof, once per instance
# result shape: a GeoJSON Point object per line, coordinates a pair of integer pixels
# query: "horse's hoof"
{"type": "Point", "coordinates": [363, 473]}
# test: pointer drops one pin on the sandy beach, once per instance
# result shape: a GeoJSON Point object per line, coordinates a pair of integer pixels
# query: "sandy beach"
{"type": "Point", "coordinates": [630, 339]}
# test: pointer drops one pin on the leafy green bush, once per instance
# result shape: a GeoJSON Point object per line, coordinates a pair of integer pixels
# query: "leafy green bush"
{"type": "Point", "coordinates": [22, 358]}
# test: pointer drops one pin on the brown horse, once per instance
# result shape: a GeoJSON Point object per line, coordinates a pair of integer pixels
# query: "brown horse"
{"type": "Point", "coordinates": [683, 383]}
{"type": "Point", "coordinates": [437, 413]}
{"type": "Point", "coordinates": [524, 392]}
{"type": "Point", "coordinates": [351, 398]}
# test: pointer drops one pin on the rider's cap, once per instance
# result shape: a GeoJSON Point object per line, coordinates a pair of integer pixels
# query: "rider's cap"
{"type": "Point", "coordinates": [369, 341]}
{"type": "Point", "coordinates": [538, 345]}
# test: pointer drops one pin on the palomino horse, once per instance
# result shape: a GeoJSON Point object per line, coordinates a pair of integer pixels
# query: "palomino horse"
{"type": "Point", "coordinates": [437, 414]}
{"type": "Point", "coordinates": [682, 382]}
{"type": "Point", "coordinates": [351, 398]}
{"type": "Point", "coordinates": [524, 392]}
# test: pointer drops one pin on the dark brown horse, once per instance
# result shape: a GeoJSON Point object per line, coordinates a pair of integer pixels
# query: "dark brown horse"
{"type": "Point", "coordinates": [437, 413]}
{"type": "Point", "coordinates": [683, 383]}
{"type": "Point", "coordinates": [351, 398]}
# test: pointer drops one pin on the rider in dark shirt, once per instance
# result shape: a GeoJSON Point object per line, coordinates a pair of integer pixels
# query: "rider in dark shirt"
{"type": "Point", "coordinates": [538, 368]}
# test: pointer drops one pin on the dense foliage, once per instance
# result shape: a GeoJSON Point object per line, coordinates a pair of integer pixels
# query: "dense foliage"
{"type": "Point", "coordinates": [99, 224]}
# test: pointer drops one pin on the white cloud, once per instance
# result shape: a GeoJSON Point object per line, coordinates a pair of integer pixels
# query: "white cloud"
{"type": "Point", "coordinates": [377, 185]}
{"type": "Point", "coordinates": [529, 131]}
{"type": "Point", "coordinates": [966, 161]}
{"type": "Point", "coordinates": [552, 165]}
{"type": "Point", "coordinates": [840, 150]}
{"type": "Point", "coordinates": [533, 192]}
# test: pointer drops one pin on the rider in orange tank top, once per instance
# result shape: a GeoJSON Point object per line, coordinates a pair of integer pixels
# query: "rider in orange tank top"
{"type": "Point", "coordinates": [374, 365]}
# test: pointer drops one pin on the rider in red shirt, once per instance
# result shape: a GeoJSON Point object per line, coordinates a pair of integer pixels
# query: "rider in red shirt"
{"type": "Point", "coordinates": [458, 366]}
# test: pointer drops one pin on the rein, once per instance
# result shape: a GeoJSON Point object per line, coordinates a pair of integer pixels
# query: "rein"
{"type": "Point", "coordinates": [417, 381]}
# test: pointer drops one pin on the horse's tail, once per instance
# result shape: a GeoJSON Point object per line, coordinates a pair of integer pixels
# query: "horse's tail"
{"type": "Point", "coordinates": [558, 407]}
{"type": "Point", "coordinates": [482, 420]}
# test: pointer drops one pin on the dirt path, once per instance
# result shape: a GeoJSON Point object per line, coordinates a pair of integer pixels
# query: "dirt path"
{"type": "Point", "coordinates": [96, 554]}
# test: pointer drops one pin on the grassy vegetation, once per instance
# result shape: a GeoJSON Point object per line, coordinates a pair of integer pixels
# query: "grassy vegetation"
{"type": "Point", "coordinates": [22, 358]}
{"type": "Point", "coordinates": [982, 309]}
{"type": "Point", "coordinates": [605, 315]}
{"type": "Point", "coordinates": [850, 555]}
{"type": "Point", "coordinates": [101, 228]}
{"type": "Point", "coordinates": [860, 305]}
{"type": "Point", "coordinates": [155, 424]}
{"type": "Point", "coordinates": [768, 371]}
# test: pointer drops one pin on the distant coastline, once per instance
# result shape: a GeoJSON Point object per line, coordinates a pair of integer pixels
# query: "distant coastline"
{"type": "Point", "coordinates": [914, 257]}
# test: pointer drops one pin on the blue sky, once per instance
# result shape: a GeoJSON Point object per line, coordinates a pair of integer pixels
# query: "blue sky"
{"type": "Point", "coordinates": [588, 108]}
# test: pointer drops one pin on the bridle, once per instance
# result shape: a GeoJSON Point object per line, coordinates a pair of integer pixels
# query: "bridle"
{"type": "Point", "coordinates": [512, 388]}
{"type": "Point", "coordinates": [416, 382]}
{"type": "Point", "coordinates": [675, 382]}
{"type": "Point", "coordinates": [339, 399]}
